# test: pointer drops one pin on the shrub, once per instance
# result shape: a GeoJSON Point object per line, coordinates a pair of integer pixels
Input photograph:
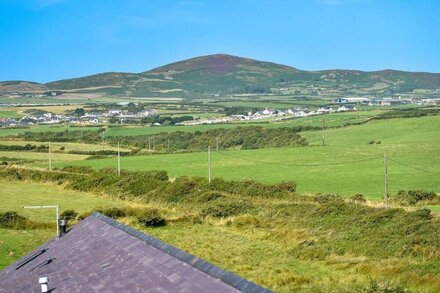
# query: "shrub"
{"type": "Point", "coordinates": [84, 215]}
{"type": "Point", "coordinates": [225, 209]}
{"type": "Point", "coordinates": [412, 197]}
{"type": "Point", "coordinates": [327, 198]}
{"type": "Point", "coordinates": [423, 214]}
{"type": "Point", "coordinates": [69, 215]}
{"type": "Point", "coordinates": [151, 218]}
{"type": "Point", "coordinates": [358, 198]}
{"type": "Point", "coordinates": [12, 219]}
{"type": "Point", "coordinates": [113, 212]}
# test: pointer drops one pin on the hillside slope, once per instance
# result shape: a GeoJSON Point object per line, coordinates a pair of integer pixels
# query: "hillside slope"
{"type": "Point", "coordinates": [222, 74]}
{"type": "Point", "coordinates": [22, 86]}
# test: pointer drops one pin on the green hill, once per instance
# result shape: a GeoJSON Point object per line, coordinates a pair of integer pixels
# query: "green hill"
{"type": "Point", "coordinates": [222, 74]}
{"type": "Point", "coordinates": [22, 86]}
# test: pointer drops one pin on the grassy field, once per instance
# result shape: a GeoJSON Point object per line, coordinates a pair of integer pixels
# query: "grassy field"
{"type": "Point", "coordinates": [42, 157]}
{"type": "Point", "coordinates": [9, 114]}
{"type": "Point", "coordinates": [68, 146]}
{"type": "Point", "coordinates": [332, 120]}
{"type": "Point", "coordinates": [260, 248]}
{"type": "Point", "coordinates": [16, 243]}
{"type": "Point", "coordinates": [43, 128]}
{"type": "Point", "coordinates": [346, 165]}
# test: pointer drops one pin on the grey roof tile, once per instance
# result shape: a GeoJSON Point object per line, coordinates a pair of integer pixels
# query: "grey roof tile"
{"type": "Point", "coordinates": [102, 255]}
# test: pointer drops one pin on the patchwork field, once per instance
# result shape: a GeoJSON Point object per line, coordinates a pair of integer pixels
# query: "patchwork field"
{"type": "Point", "coordinates": [351, 161]}
{"type": "Point", "coordinates": [65, 146]}
{"type": "Point", "coordinates": [43, 128]}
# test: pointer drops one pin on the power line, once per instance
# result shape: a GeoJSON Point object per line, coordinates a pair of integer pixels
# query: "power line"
{"type": "Point", "coordinates": [299, 165]}
{"type": "Point", "coordinates": [412, 167]}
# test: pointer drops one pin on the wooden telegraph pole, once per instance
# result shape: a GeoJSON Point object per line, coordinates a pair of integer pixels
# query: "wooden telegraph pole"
{"type": "Point", "coordinates": [209, 164]}
{"type": "Point", "coordinates": [386, 179]}
{"type": "Point", "coordinates": [50, 157]}
{"type": "Point", "coordinates": [119, 161]}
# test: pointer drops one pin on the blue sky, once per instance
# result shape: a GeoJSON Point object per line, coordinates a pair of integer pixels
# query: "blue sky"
{"type": "Point", "coordinates": [46, 40]}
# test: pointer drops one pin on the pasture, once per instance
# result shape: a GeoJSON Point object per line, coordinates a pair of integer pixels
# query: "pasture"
{"type": "Point", "coordinates": [350, 162]}
{"type": "Point", "coordinates": [279, 244]}
{"type": "Point", "coordinates": [331, 120]}
{"type": "Point", "coordinates": [44, 128]}
{"type": "Point", "coordinates": [9, 113]}
{"type": "Point", "coordinates": [41, 157]}
{"type": "Point", "coordinates": [16, 243]}
{"type": "Point", "coordinates": [65, 146]}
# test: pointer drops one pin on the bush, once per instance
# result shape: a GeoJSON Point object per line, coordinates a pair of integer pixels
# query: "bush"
{"type": "Point", "coordinates": [69, 215]}
{"type": "Point", "coordinates": [12, 219]}
{"type": "Point", "coordinates": [151, 218]}
{"type": "Point", "coordinates": [358, 198]}
{"type": "Point", "coordinates": [412, 197]}
{"type": "Point", "coordinates": [113, 212]}
{"type": "Point", "coordinates": [327, 198]}
{"type": "Point", "coordinates": [225, 209]}
{"type": "Point", "coordinates": [423, 214]}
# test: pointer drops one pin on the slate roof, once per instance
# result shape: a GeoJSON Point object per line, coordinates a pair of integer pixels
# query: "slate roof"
{"type": "Point", "coordinates": [101, 255]}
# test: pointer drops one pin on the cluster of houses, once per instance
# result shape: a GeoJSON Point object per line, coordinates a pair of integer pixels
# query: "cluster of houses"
{"type": "Point", "coordinates": [128, 114]}
{"type": "Point", "coordinates": [272, 113]}
{"type": "Point", "coordinates": [86, 119]}
{"type": "Point", "coordinates": [387, 101]}
{"type": "Point", "coordinates": [295, 112]}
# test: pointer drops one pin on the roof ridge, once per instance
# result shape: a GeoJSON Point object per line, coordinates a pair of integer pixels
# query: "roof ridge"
{"type": "Point", "coordinates": [198, 263]}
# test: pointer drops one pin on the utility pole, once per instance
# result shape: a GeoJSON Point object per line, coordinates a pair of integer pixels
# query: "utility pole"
{"type": "Point", "coordinates": [323, 132]}
{"type": "Point", "coordinates": [49, 207]}
{"type": "Point", "coordinates": [168, 144]}
{"type": "Point", "coordinates": [50, 157]}
{"type": "Point", "coordinates": [209, 164]}
{"type": "Point", "coordinates": [149, 144]}
{"type": "Point", "coordinates": [103, 139]}
{"type": "Point", "coordinates": [216, 141]}
{"type": "Point", "coordinates": [386, 179]}
{"type": "Point", "coordinates": [154, 142]}
{"type": "Point", "coordinates": [119, 161]}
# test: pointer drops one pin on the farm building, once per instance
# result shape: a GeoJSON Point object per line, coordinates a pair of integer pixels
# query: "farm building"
{"type": "Point", "coordinates": [351, 100]}
{"type": "Point", "coordinates": [101, 255]}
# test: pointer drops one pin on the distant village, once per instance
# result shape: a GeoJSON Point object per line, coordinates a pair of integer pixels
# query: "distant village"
{"type": "Point", "coordinates": [86, 119]}
{"type": "Point", "coordinates": [121, 116]}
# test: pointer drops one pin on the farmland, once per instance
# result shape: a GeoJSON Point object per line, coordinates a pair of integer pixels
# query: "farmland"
{"type": "Point", "coordinates": [42, 128]}
{"type": "Point", "coordinates": [15, 243]}
{"type": "Point", "coordinates": [333, 120]}
{"type": "Point", "coordinates": [279, 243]}
{"type": "Point", "coordinates": [350, 162]}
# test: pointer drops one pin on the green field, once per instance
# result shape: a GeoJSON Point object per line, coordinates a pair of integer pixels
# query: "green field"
{"type": "Point", "coordinates": [16, 243]}
{"type": "Point", "coordinates": [42, 157]}
{"type": "Point", "coordinates": [346, 165]}
{"type": "Point", "coordinates": [260, 247]}
{"type": "Point", "coordinates": [43, 128]}
{"type": "Point", "coordinates": [332, 120]}
{"type": "Point", "coordinates": [68, 146]}
{"type": "Point", "coordinates": [10, 114]}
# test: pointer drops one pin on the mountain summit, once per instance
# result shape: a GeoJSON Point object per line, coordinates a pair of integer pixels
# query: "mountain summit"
{"type": "Point", "coordinates": [222, 74]}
